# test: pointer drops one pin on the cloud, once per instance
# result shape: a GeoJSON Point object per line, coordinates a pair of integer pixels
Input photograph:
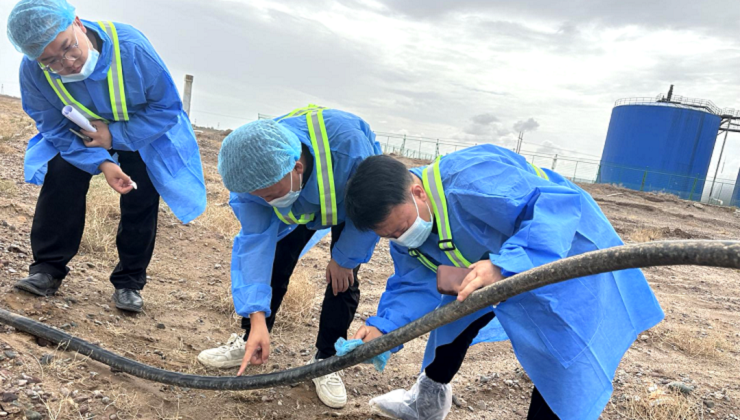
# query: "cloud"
{"type": "Point", "coordinates": [549, 148]}
{"type": "Point", "coordinates": [528, 125]}
{"type": "Point", "coordinates": [484, 119]}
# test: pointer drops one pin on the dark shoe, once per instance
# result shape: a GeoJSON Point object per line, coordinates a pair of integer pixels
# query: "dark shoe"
{"type": "Point", "coordinates": [40, 284]}
{"type": "Point", "coordinates": [128, 300]}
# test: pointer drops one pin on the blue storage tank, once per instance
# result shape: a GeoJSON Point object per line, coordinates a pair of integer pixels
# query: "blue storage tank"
{"type": "Point", "coordinates": [659, 147]}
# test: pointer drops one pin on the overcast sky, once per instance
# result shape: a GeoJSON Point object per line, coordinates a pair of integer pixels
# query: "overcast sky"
{"type": "Point", "coordinates": [477, 70]}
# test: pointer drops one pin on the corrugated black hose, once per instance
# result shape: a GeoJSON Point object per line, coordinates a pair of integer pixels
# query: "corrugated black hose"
{"type": "Point", "coordinates": [708, 253]}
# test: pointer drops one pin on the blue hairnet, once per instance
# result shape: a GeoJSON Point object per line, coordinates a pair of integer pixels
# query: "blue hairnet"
{"type": "Point", "coordinates": [33, 24]}
{"type": "Point", "coordinates": [257, 155]}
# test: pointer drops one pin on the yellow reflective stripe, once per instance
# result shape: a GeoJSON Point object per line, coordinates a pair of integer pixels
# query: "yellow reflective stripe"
{"type": "Point", "coordinates": [432, 180]}
{"type": "Point", "coordinates": [540, 172]}
{"type": "Point", "coordinates": [305, 218]}
{"type": "Point", "coordinates": [111, 89]}
{"type": "Point", "coordinates": [117, 46]}
{"type": "Point", "coordinates": [323, 164]}
{"type": "Point", "coordinates": [53, 86]}
{"type": "Point", "coordinates": [292, 220]}
{"type": "Point", "coordinates": [67, 99]}
{"type": "Point", "coordinates": [280, 216]}
{"type": "Point", "coordinates": [302, 111]}
{"type": "Point", "coordinates": [329, 164]}
{"type": "Point", "coordinates": [115, 75]}
{"type": "Point", "coordinates": [423, 260]}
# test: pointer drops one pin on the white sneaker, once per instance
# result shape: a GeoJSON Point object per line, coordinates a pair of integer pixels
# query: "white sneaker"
{"type": "Point", "coordinates": [227, 356]}
{"type": "Point", "coordinates": [330, 389]}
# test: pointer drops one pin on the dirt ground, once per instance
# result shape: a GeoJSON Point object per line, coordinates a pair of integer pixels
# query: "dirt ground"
{"type": "Point", "coordinates": [188, 308]}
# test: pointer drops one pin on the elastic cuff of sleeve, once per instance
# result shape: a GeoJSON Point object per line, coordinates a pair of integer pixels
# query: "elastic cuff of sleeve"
{"type": "Point", "coordinates": [342, 259]}
{"type": "Point", "coordinates": [512, 261]}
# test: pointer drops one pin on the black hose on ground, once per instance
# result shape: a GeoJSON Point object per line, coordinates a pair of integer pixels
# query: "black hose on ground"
{"type": "Point", "coordinates": [708, 253]}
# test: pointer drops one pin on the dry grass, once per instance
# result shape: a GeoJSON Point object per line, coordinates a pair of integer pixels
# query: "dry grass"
{"type": "Point", "coordinates": [646, 235]}
{"type": "Point", "coordinates": [662, 405]}
{"type": "Point", "coordinates": [101, 221]}
{"type": "Point", "coordinates": [218, 216]}
{"type": "Point", "coordinates": [295, 310]}
{"type": "Point", "coordinates": [708, 344]}
{"type": "Point", "coordinates": [64, 409]}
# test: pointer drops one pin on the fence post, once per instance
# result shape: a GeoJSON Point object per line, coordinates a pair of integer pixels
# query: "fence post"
{"type": "Point", "coordinates": [598, 175]}
{"type": "Point", "coordinates": [575, 172]}
{"type": "Point", "coordinates": [403, 145]}
{"type": "Point", "coordinates": [436, 150]}
{"type": "Point", "coordinates": [387, 140]}
{"type": "Point", "coordinates": [419, 149]}
{"type": "Point", "coordinates": [187, 93]}
{"type": "Point", "coordinates": [642, 186]}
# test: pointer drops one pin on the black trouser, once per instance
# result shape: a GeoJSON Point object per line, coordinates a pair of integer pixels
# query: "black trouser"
{"type": "Point", "coordinates": [337, 312]}
{"type": "Point", "coordinates": [449, 358]}
{"type": "Point", "coordinates": [60, 220]}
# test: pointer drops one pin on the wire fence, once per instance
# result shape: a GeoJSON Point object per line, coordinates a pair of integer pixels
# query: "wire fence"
{"type": "Point", "coordinates": [577, 169]}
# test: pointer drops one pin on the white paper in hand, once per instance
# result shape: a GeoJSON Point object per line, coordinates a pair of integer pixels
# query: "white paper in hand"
{"type": "Point", "coordinates": [73, 115]}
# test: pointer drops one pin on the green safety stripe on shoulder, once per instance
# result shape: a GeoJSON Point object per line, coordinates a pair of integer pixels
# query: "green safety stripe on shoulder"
{"type": "Point", "coordinates": [302, 111]}
{"type": "Point", "coordinates": [324, 168]}
{"type": "Point", "coordinates": [115, 75]}
{"type": "Point", "coordinates": [432, 180]}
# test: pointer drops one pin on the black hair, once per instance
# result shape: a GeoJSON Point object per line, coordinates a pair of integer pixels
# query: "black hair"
{"type": "Point", "coordinates": [379, 184]}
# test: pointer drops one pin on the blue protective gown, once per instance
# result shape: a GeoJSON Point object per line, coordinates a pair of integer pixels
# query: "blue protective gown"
{"type": "Point", "coordinates": [350, 141]}
{"type": "Point", "coordinates": [158, 128]}
{"type": "Point", "coordinates": [569, 336]}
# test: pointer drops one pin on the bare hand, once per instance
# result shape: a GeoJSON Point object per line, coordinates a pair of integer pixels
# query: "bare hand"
{"type": "Point", "coordinates": [339, 277]}
{"type": "Point", "coordinates": [100, 138]}
{"type": "Point", "coordinates": [484, 273]}
{"type": "Point", "coordinates": [367, 333]}
{"type": "Point", "coordinates": [258, 343]}
{"type": "Point", "coordinates": [116, 178]}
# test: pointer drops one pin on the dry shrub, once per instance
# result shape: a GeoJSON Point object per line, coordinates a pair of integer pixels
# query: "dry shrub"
{"type": "Point", "coordinates": [662, 405]}
{"type": "Point", "coordinates": [709, 344]}
{"type": "Point", "coordinates": [646, 235]}
{"type": "Point", "coordinates": [7, 188]}
{"type": "Point", "coordinates": [101, 222]}
{"type": "Point", "coordinates": [126, 403]}
{"type": "Point", "coordinates": [295, 310]}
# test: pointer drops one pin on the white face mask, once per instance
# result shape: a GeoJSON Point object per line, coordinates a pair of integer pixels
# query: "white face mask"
{"type": "Point", "coordinates": [87, 68]}
{"type": "Point", "coordinates": [417, 234]}
{"type": "Point", "coordinates": [288, 199]}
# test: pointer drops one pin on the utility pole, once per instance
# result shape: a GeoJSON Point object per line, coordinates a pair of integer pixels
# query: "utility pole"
{"type": "Point", "coordinates": [519, 142]}
{"type": "Point", "coordinates": [187, 93]}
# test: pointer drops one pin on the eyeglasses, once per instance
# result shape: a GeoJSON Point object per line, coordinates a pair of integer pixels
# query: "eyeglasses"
{"type": "Point", "coordinates": [71, 53]}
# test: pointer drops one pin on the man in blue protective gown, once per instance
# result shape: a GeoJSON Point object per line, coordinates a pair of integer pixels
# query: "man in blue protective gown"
{"type": "Point", "coordinates": [287, 179]}
{"type": "Point", "coordinates": [143, 141]}
{"type": "Point", "coordinates": [486, 208]}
